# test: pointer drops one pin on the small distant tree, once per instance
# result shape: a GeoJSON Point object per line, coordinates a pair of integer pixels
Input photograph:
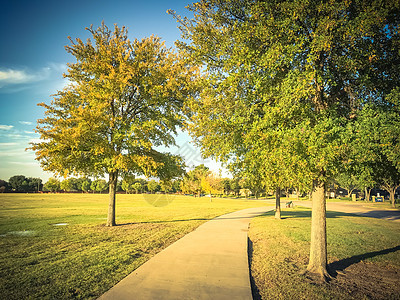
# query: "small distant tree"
{"type": "Point", "coordinates": [212, 184]}
{"type": "Point", "coordinates": [52, 185]}
{"type": "Point", "coordinates": [101, 185]}
{"type": "Point", "coordinates": [137, 187]}
{"type": "Point", "coordinates": [153, 186]}
{"type": "Point", "coordinates": [347, 181]}
{"type": "Point", "coordinates": [191, 182]}
{"type": "Point", "coordinates": [3, 186]}
{"type": "Point", "coordinates": [176, 185]}
{"type": "Point", "coordinates": [66, 185]}
{"type": "Point", "coordinates": [85, 184]}
{"type": "Point", "coordinates": [19, 183]}
{"type": "Point", "coordinates": [127, 184]}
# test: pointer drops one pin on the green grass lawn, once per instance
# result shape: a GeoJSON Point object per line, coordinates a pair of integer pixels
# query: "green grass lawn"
{"type": "Point", "coordinates": [364, 256]}
{"type": "Point", "coordinates": [42, 258]}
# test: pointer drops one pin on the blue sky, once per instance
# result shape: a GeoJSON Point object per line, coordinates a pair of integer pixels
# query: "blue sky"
{"type": "Point", "coordinates": [33, 58]}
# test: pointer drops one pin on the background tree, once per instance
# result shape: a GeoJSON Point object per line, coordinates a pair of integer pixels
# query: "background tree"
{"type": "Point", "coordinates": [101, 185]}
{"type": "Point", "coordinates": [124, 98]}
{"type": "Point", "coordinates": [3, 186]}
{"type": "Point", "coordinates": [137, 187]}
{"type": "Point", "coordinates": [52, 185]}
{"type": "Point", "coordinates": [66, 185]}
{"type": "Point", "coordinates": [347, 181]}
{"type": "Point", "coordinates": [19, 183]}
{"type": "Point", "coordinates": [85, 184]}
{"type": "Point", "coordinates": [153, 186]}
{"type": "Point", "coordinates": [289, 74]}
{"type": "Point", "coordinates": [191, 182]}
{"type": "Point", "coordinates": [374, 156]}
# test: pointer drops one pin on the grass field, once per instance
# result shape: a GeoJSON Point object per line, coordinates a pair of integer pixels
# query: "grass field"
{"type": "Point", "coordinates": [364, 257]}
{"type": "Point", "coordinates": [55, 246]}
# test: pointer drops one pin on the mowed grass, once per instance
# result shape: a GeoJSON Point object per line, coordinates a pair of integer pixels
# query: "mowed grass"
{"type": "Point", "coordinates": [42, 258]}
{"type": "Point", "coordinates": [363, 254]}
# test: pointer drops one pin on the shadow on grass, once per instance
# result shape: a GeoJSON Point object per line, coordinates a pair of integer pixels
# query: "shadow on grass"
{"type": "Point", "coordinates": [254, 290]}
{"type": "Point", "coordinates": [227, 216]}
{"type": "Point", "coordinates": [342, 264]}
{"type": "Point", "coordinates": [296, 214]}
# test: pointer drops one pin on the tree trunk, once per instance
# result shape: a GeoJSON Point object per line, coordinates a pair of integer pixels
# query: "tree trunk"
{"type": "Point", "coordinates": [318, 251]}
{"type": "Point", "coordinates": [113, 177]}
{"type": "Point", "coordinates": [391, 197]}
{"type": "Point", "coordinates": [367, 194]}
{"type": "Point", "coordinates": [278, 203]}
{"type": "Point", "coordinates": [391, 190]}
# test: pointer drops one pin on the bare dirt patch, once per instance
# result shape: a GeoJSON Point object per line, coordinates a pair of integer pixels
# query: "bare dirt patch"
{"type": "Point", "coordinates": [368, 281]}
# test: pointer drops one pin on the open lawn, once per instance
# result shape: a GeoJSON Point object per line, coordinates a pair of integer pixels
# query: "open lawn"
{"type": "Point", "coordinates": [55, 246]}
{"type": "Point", "coordinates": [364, 257]}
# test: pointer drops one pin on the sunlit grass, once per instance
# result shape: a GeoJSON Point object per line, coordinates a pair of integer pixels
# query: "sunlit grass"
{"type": "Point", "coordinates": [42, 258]}
{"type": "Point", "coordinates": [281, 249]}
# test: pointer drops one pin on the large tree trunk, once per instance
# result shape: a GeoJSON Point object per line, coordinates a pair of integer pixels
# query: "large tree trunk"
{"type": "Point", "coordinates": [113, 178]}
{"type": "Point", "coordinates": [318, 251]}
{"type": "Point", "coordinates": [278, 203]}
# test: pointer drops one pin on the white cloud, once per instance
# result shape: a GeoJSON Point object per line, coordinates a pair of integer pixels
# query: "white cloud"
{"type": "Point", "coordinates": [25, 123]}
{"type": "Point", "coordinates": [12, 77]}
{"type": "Point", "coordinates": [32, 163]}
{"type": "Point", "coordinates": [8, 144]}
{"type": "Point", "coordinates": [37, 141]}
{"type": "Point", "coordinates": [6, 127]}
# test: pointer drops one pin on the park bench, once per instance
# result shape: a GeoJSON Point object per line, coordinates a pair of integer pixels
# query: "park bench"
{"type": "Point", "coordinates": [289, 204]}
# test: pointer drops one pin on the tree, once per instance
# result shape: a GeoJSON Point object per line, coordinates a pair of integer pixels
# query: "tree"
{"type": "Point", "coordinates": [3, 186]}
{"type": "Point", "coordinates": [191, 182]}
{"type": "Point", "coordinates": [124, 98]}
{"type": "Point", "coordinates": [153, 186]}
{"type": "Point", "coordinates": [137, 187]}
{"type": "Point", "coordinates": [287, 77]}
{"type": "Point", "coordinates": [19, 183]}
{"type": "Point", "coordinates": [374, 157]}
{"type": "Point", "coordinates": [52, 185]}
{"type": "Point", "coordinates": [101, 185]}
{"type": "Point", "coordinates": [98, 185]}
{"type": "Point", "coordinates": [347, 181]}
{"type": "Point", "coordinates": [66, 185]}
{"type": "Point", "coordinates": [85, 184]}
{"type": "Point", "coordinates": [127, 184]}
{"type": "Point", "coordinates": [212, 184]}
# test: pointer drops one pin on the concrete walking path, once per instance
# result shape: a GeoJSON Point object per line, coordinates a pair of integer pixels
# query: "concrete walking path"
{"type": "Point", "coordinates": [208, 263]}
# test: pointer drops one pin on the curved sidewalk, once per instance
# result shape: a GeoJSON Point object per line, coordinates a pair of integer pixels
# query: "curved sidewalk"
{"type": "Point", "coordinates": [208, 263]}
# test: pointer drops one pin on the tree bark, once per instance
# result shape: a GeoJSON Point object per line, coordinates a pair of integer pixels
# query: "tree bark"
{"type": "Point", "coordinates": [113, 178]}
{"type": "Point", "coordinates": [367, 194]}
{"type": "Point", "coordinates": [278, 203]}
{"type": "Point", "coordinates": [318, 251]}
{"type": "Point", "coordinates": [391, 197]}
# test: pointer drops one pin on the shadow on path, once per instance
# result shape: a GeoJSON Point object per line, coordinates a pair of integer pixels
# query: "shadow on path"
{"type": "Point", "coordinates": [342, 264]}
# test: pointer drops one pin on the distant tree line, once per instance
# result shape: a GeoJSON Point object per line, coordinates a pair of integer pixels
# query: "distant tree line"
{"type": "Point", "coordinates": [197, 182]}
{"type": "Point", "coordinates": [130, 184]}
